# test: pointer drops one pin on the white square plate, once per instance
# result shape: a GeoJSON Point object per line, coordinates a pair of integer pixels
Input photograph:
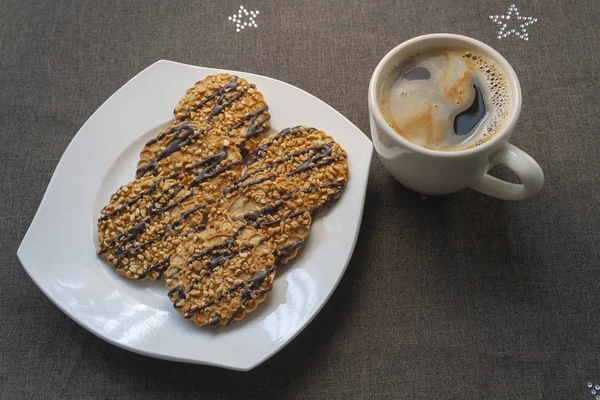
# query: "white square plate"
{"type": "Point", "coordinates": [59, 249]}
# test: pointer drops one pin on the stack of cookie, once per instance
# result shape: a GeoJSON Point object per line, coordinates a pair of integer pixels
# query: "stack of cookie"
{"type": "Point", "coordinates": [216, 208]}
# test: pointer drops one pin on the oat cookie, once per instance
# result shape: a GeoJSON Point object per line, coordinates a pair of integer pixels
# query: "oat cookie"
{"type": "Point", "coordinates": [230, 104]}
{"type": "Point", "coordinates": [223, 272]}
{"type": "Point", "coordinates": [308, 158]}
{"type": "Point", "coordinates": [139, 229]}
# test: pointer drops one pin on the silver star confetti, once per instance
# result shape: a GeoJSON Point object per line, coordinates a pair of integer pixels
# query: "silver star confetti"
{"type": "Point", "coordinates": [515, 16]}
{"type": "Point", "coordinates": [244, 19]}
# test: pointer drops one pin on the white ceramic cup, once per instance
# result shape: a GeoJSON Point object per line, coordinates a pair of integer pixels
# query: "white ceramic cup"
{"type": "Point", "coordinates": [441, 172]}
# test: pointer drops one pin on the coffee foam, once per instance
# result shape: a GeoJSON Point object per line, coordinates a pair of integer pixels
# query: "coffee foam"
{"type": "Point", "coordinates": [423, 110]}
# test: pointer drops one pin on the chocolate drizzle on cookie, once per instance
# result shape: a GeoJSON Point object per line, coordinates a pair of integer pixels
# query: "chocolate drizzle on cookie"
{"type": "Point", "coordinates": [255, 128]}
{"type": "Point", "coordinates": [222, 103]}
{"type": "Point", "coordinates": [210, 169]}
{"type": "Point", "coordinates": [260, 151]}
{"type": "Point", "coordinates": [183, 135]}
{"type": "Point", "coordinates": [221, 92]}
{"type": "Point", "coordinates": [159, 267]}
{"type": "Point", "coordinates": [250, 289]}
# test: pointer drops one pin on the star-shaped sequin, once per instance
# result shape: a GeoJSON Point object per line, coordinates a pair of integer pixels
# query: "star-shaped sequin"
{"type": "Point", "coordinates": [513, 15]}
{"type": "Point", "coordinates": [595, 390]}
{"type": "Point", "coordinates": [244, 19]}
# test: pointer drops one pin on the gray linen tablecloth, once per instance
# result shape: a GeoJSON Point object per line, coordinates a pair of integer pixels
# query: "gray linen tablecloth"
{"type": "Point", "coordinates": [456, 297]}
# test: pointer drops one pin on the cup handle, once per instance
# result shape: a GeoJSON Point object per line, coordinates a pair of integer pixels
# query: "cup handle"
{"type": "Point", "coordinates": [526, 168]}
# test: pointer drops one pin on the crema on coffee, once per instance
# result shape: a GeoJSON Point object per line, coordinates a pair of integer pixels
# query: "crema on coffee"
{"type": "Point", "coordinates": [447, 99]}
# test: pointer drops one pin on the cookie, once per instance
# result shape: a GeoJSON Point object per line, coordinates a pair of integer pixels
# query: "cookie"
{"type": "Point", "coordinates": [139, 229]}
{"type": "Point", "coordinates": [308, 158]}
{"type": "Point", "coordinates": [223, 272]}
{"type": "Point", "coordinates": [229, 103]}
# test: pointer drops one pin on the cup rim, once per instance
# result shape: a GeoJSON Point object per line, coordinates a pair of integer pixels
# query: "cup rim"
{"type": "Point", "coordinates": [466, 41]}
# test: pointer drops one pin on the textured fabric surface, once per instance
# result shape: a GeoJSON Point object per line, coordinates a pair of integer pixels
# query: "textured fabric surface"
{"type": "Point", "coordinates": [462, 297]}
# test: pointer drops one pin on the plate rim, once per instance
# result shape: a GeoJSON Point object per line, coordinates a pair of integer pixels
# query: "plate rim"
{"type": "Point", "coordinates": [23, 256]}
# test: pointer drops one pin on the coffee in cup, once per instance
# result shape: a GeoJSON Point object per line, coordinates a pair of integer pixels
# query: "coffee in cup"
{"type": "Point", "coordinates": [446, 99]}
